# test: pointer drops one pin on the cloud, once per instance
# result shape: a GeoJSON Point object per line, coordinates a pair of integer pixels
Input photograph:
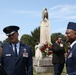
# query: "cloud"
{"type": "Point", "coordinates": [63, 11]}
{"type": "Point", "coordinates": [59, 11]}
{"type": "Point", "coordinates": [2, 37]}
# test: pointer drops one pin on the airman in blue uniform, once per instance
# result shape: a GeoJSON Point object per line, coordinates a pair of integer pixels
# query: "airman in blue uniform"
{"type": "Point", "coordinates": [16, 61]}
{"type": "Point", "coordinates": [71, 57]}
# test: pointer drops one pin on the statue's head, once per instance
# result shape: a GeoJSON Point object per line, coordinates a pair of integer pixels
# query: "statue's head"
{"type": "Point", "coordinates": [45, 9]}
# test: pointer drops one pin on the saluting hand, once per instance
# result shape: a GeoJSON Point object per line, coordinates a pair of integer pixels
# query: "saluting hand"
{"type": "Point", "coordinates": [61, 45]}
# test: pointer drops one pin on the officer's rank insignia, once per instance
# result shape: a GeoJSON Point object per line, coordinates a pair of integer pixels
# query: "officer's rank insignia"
{"type": "Point", "coordinates": [24, 49]}
{"type": "Point", "coordinates": [25, 54]}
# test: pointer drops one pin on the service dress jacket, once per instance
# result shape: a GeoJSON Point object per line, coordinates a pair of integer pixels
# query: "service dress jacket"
{"type": "Point", "coordinates": [71, 61]}
{"type": "Point", "coordinates": [58, 54]}
{"type": "Point", "coordinates": [20, 65]}
{"type": "Point", "coordinates": [2, 71]}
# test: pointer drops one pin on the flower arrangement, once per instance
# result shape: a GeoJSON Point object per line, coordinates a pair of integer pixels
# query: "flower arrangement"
{"type": "Point", "coordinates": [46, 48]}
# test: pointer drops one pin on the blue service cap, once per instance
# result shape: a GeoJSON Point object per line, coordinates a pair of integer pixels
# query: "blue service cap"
{"type": "Point", "coordinates": [71, 25]}
{"type": "Point", "coordinates": [9, 30]}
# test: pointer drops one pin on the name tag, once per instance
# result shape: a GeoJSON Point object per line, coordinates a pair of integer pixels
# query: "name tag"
{"type": "Point", "coordinates": [8, 54]}
{"type": "Point", "coordinates": [25, 54]}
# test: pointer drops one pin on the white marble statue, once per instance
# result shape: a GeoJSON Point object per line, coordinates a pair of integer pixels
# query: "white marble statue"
{"type": "Point", "coordinates": [45, 28]}
{"type": "Point", "coordinates": [44, 14]}
{"type": "Point", "coordinates": [44, 33]}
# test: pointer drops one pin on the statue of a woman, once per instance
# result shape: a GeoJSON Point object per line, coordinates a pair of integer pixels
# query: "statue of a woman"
{"type": "Point", "coordinates": [45, 14]}
{"type": "Point", "coordinates": [45, 28]}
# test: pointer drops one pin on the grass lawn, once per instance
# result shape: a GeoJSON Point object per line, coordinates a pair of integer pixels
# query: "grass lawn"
{"type": "Point", "coordinates": [51, 73]}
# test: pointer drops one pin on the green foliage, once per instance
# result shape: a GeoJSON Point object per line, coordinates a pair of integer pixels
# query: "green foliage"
{"type": "Point", "coordinates": [36, 35]}
{"type": "Point", "coordinates": [0, 42]}
{"type": "Point", "coordinates": [35, 38]}
{"type": "Point", "coordinates": [32, 39]}
{"type": "Point", "coordinates": [6, 40]}
{"type": "Point", "coordinates": [55, 35]}
{"type": "Point", "coordinates": [26, 39]}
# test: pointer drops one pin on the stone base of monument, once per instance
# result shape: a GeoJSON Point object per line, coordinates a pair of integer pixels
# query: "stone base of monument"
{"type": "Point", "coordinates": [43, 64]}
{"type": "Point", "coordinates": [43, 69]}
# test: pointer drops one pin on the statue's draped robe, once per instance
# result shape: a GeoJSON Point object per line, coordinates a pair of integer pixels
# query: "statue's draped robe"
{"type": "Point", "coordinates": [45, 32]}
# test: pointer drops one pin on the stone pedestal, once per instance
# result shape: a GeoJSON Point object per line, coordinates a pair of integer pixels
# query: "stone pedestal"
{"type": "Point", "coordinates": [43, 64]}
{"type": "Point", "coordinates": [43, 69]}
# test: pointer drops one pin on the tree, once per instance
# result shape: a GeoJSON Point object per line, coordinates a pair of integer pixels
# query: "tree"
{"type": "Point", "coordinates": [32, 39]}
{"type": "Point", "coordinates": [36, 35]}
{"type": "Point", "coordinates": [26, 39]}
{"type": "Point", "coordinates": [35, 38]}
{"type": "Point", "coordinates": [0, 42]}
{"type": "Point", "coordinates": [6, 40]}
{"type": "Point", "coordinates": [55, 35]}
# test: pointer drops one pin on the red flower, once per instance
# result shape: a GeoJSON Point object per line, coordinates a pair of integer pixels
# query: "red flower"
{"type": "Point", "coordinates": [42, 49]}
{"type": "Point", "coordinates": [50, 47]}
{"type": "Point", "coordinates": [46, 48]}
{"type": "Point", "coordinates": [50, 52]}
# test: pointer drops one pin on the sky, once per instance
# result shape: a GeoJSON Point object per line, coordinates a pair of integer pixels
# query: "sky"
{"type": "Point", "coordinates": [27, 14]}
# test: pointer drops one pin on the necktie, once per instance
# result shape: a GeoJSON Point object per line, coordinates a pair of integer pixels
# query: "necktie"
{"type": "Point", "coordinates": [15, 51]}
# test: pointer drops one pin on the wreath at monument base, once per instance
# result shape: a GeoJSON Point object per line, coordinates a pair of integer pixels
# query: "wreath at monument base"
{"type": "Point", "coordinates": [46, 48]}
